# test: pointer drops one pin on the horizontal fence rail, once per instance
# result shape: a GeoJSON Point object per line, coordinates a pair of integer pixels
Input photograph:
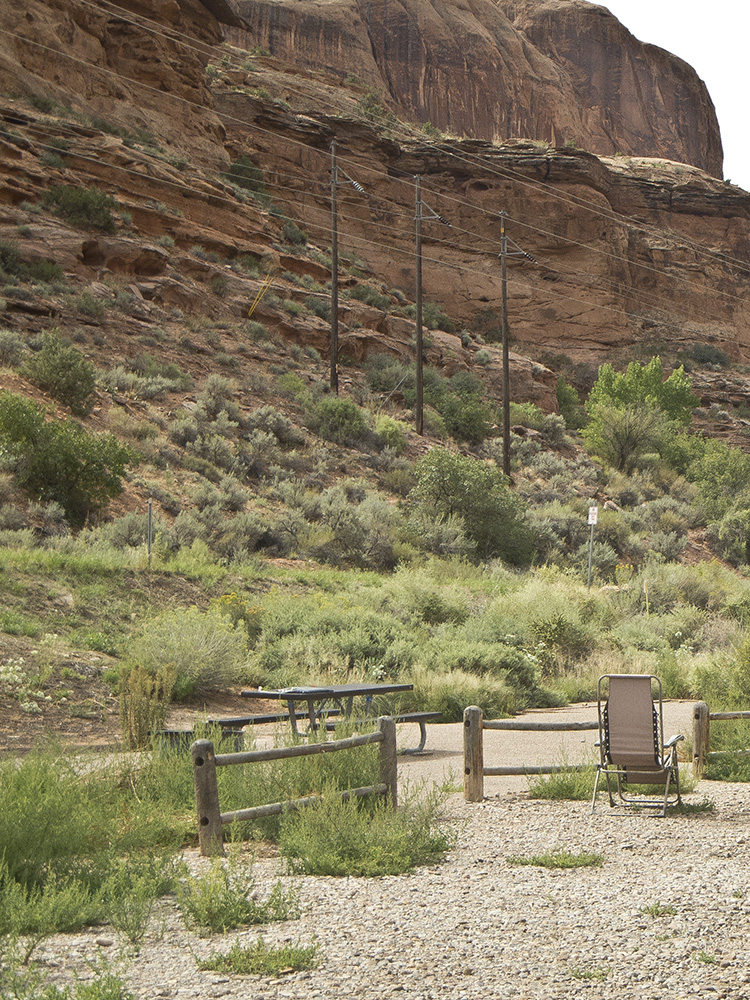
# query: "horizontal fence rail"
{"type": "Point", "coordinates": [475, 770]}
{"type": "Point", "coordinates": [702, 719]}
{"type": "Point", "coordinates": [205, 761]}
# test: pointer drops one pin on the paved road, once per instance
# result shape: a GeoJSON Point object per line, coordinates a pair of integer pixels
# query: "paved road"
{"type": "Point", "coordinates": [443, 756]}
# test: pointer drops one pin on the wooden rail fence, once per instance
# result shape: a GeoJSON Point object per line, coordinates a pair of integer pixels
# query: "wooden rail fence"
{"type": "Point", "coordinates": [205, 761]}
{"type": "Point", "coordinates": [702, 719]}
{"type": "Point", "coordinates": [474, 768]}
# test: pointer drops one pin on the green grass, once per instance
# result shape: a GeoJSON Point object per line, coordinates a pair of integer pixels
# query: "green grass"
{"type": "Point", "coordinates": [260, 959]}
{"type": "Point", "coordinates": [559, 858]}
{"type": "Point", "coordinates": [564, 785]}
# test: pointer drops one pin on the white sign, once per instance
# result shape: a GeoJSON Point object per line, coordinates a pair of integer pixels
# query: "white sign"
{"type": "Point", "coordinates": [593, 514]}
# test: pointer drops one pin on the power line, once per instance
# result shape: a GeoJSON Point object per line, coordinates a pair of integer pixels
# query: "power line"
{"type": "Point", "coordinates": [253, 126]}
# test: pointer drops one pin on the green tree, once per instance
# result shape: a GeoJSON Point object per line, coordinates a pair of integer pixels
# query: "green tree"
{"type": "Point", "coordinates": [460, 487]}
{"type": "Point", "coordinates": [644, 384]}
{"type": "Point", "coordinates": [621, 434]}
{"type": "Point", "coordinates": [60, 460]}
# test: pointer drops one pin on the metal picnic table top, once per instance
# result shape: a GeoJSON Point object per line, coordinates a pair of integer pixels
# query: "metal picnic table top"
{"type": "Point", "coordinates": [318, 697]}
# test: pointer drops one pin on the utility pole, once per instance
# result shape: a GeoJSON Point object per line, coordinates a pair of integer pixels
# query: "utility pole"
{"type": "Point", "coordinates": [418, 298]}
{"type": "Point", "coordinates": [334, 274]}
{"type": "Point", "coordinates": [335, 264]}
{"type": "Point", "coordinates": [506, 361]}
{"type": "Point", "coordinates": [504, 254]}
{"type": "Point", "coordinates": [420, 359]}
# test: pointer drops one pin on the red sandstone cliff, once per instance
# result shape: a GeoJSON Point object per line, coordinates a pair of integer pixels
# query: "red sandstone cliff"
{"type": "Point", "coordinates": [553, 70]}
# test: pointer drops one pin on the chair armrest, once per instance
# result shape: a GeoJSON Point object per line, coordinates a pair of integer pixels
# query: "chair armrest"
{"type": "Point", "coordinates": [673, 740]}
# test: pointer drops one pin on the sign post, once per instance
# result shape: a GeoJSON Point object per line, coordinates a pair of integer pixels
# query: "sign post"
{"type": "Point", "coordinates": [593, 515]}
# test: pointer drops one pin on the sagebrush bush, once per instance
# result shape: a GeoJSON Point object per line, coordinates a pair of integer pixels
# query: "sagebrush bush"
{"type": "Point", "coordinates": [82, 206]}
{"type": "Point", "coordinates": [205, 648]}
{"type": "Point", "coordinates": [12, 348]}
{"type": "Point", "coordinates": [64, 373]}
{"type": "Point", "coordinates": [270, 420]}
{"type": "Point", "coordinates": [339, 420]}
{"type": "Point", "coordinates": [391, 433]}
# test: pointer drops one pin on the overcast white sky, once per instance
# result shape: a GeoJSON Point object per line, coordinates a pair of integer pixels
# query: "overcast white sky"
{"type": "Point", "coordinates": [715, 39]}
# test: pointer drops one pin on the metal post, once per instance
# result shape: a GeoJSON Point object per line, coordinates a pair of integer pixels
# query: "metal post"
{"type": "Point", "coordinates": [334, 274]}
{"type": "Point", "coordinates": [418, 306]}
{"type": "Point", "coordinates": [593, 517]}
{"type": "Point", "coordinates": [506, 361]}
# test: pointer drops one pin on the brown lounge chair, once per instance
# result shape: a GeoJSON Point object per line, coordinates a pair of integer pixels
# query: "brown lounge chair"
{"type": "Point", "coordinates": [631, 741]}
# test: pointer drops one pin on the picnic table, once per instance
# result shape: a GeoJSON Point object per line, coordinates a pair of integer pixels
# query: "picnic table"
{"type": "Point", "coordinates": [331, 700]}
{"type": "Point", "coordinates": [336, 699]}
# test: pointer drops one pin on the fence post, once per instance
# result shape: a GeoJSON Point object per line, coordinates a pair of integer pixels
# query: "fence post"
{"type": "Point", "coordinates": [387, 754]}
{"type": "Point", "coordinates": [473, 755]}
{"type": "Point", "coordinates": [700, 737]}
{"type": "Point", "coordinates": [210, 836]}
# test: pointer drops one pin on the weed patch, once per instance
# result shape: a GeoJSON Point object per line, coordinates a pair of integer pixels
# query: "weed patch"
{"type": "Point", "coordinates": [223, 898]}
{"type": "Point", "coordinates": [354, 837]}
{"type": "Point", "coordinates": [559, 858]}
{"type": "Point", "coordinates": [260, 959]}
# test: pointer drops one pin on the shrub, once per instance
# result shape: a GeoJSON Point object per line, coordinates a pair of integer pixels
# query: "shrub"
{"type": "Point", "coordinates": [391, 433]}
{"type": "Point", "coordinates": [12, 348]}
{"type": "Point", "coordinates": [354, 837]}
{"type": "Point", "coordinates": [371, 296]}
{"type": "Point", "coordinates": [82, 206]}
{"type": "Point", "coordinates": [270, 420]}
{"type": "Point", "coordinates": [206, 649]}
{"type": "Point", "coordinates": [433, 317]}
{"type": "Point", "coordinates": [245, 174]}
{"type": "Point", "coordinates": [337, 419]}
{"type": "Point", "coordinates": [466, 419]}
{"type": "Point", "coordinates": [320, 307]}
{"type": "Point", "coordinates": [451, 484]}
{"type": "Point", "coordinates": [569, 405]}
{"type": "Point", "coordinates": [622, 434]}
{"type": "Point", "coordinates": [526, 415]}
{"type": "Point", "coordinates": [64, 373]}
{"type": "Point", "coordinates": [224, 898]}
{"type": "Point", "coordinates": [260, 959]}
{"type": "Point", "coordinates": [144, 700]}
{"type": "Point", "coordinates": [293, 234]}
{"type": "Point", "coordinates": [59, 460]}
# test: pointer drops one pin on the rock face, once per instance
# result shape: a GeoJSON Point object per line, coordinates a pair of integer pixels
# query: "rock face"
{"type": "Point", "coordinates": [111, 67]}
{"type": "Point", "coordinates": [558, 71]}
{"type": "Point", "coordinates": [633, 253]}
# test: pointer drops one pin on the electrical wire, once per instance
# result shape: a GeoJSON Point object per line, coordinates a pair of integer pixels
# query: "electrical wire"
{"type": "Point", "coordinates": [253, 126]}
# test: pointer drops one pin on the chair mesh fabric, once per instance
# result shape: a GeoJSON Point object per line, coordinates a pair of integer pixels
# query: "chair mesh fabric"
{"type": "Point", "coordinates": [632, 724]}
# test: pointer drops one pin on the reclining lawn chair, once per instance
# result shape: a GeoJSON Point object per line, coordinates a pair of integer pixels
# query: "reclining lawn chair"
{"type": "Point", "coordinates": [631, 742]}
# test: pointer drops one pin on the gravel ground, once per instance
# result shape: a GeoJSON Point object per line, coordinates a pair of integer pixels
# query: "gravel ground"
{"type": "Point", "coordinates": [477, 926]}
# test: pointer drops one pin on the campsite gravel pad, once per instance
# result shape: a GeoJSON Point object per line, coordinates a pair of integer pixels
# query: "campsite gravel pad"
{"type": "Point", "coordinates": [479, 927]}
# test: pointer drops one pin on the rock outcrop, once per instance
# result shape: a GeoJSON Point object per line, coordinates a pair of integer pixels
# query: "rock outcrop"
{"type": "Point", "coordinates": [632, 252]}
{"type": "Point", "coordinates": [558, 71]}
